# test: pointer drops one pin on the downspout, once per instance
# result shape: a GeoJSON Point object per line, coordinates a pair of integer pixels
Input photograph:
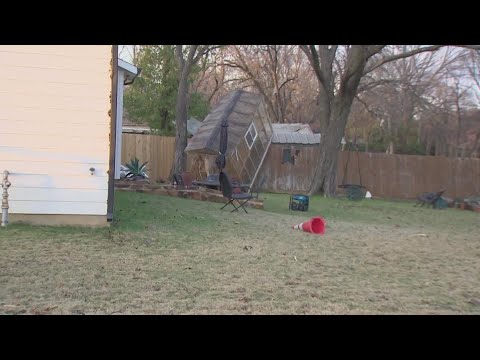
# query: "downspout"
{"type": "Point", "coordinates": [5, 185]}
{"type": "Point", "coordinates": [133, 79]}
{"type": "Point", "coordinates": [113, 129]}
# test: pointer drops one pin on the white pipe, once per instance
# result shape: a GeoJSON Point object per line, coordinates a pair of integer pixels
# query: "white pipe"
{"type": "Point", "coordinates": [5, 185]}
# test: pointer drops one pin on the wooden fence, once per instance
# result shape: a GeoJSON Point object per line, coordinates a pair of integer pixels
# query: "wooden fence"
{"type": "Point", "coordinates": [406, 176]}
{"type": "Point", "coordinates": [159, 151]}
{"type": "Point", "coordinates": [384, 175]}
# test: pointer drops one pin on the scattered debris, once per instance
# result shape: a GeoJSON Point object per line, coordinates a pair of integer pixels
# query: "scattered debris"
{"type": "Point", "coordinates": [248, 247]}
{"type": "Point", "coordinates": [431, 199]}
{"type": "Point", "coordinates": [295, 258]}
{"type": "Point", "coordinates": [474, 301]}
{"type": "Point", "coordinates": [421, 235]}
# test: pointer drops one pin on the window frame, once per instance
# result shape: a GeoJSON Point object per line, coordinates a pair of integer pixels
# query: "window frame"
{"type": "Point", "coordinates": [291, 158]}
{"type": "Point", "coordinates": [249, 131]}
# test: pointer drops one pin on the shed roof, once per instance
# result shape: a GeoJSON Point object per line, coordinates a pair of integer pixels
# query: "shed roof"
{"type": "Point", "coordinates": [295, 138]}
{"type": "Point", "coordinates": [294, 127]}
{"type": "Point", "coordinates": [239, 108]}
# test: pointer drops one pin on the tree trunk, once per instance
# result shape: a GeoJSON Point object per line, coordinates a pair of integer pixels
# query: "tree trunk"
{"type": "Point", "coordinates": [180, 161]}
{"type": "Point", "coordinates": [325, 177]}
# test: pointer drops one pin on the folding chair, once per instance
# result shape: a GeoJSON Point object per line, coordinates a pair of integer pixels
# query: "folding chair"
{"type": "Point", "coordinates": [227, 189]}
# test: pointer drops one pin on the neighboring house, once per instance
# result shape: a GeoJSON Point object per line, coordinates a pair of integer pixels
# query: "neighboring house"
{"type": "Point", "coordinates": [132, 128]}
{"type": "Point", "coordinates": [57, 111]}
{"type": "Point", "coordinates": [249, 135]}
{"type": "Point", "coordinates": [136, 129]}
{"type": "Point", "coordinates": [288, 166]}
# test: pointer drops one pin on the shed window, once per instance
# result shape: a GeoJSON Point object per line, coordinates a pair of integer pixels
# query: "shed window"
{"type": "Point", "coordinates": [251, 135]}
{"type": "Point", "coordinates": [287, 156]}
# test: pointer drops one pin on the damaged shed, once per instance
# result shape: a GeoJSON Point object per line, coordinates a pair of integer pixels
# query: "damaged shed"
{"type": "Point", "coordinates": [289, 164]}
{"type": "Point", "coordinates": [249, 136]}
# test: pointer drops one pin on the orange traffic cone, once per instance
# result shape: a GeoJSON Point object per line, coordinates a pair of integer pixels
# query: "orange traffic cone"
{"type": "Point", "coordinates": [315, 225]}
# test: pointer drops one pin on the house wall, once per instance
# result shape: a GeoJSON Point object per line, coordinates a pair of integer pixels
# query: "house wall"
{"type": "Point", "coordinates": [55, 126]}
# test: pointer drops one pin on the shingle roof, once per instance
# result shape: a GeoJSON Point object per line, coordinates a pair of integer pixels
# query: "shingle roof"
{"type": "Point", "coordinates": [239, 108]}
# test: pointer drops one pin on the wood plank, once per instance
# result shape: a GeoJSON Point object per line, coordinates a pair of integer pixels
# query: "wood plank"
{"type": "Point", "coordinates": [55, 168]}
{"type": "Point", "coordinates": [58, 181]}
{"type": "Point", "coordinates": [57, 195]}
{"type": "Point", "coordinates": [23, 155]}
{"type": "Point", "coordinates": [59, 52]}
{"type": "Point", "coordinates": [58, 207]}
{"type": "Point", "coordinates": [100, 77]}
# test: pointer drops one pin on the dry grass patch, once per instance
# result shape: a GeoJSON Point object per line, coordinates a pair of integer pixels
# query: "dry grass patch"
{"type": "Point", "coordinates": [174, 256]}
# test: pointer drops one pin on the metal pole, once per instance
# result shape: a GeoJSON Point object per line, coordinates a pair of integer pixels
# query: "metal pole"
{"type": "Point", "coordinates": [5, 185]}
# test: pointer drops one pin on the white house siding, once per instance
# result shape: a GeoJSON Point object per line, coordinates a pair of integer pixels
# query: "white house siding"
{"type": "Point", "coordinates": [55, 126]}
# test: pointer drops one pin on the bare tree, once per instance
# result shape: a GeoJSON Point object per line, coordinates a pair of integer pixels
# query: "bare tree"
{"type": "Point", "coordinates": [280, 73]}
{"type": "Point", "coordinates": [272, 70]}
{"type": "Point", "coordinates": [339, 70]}
{"type": "Point", "coordinates": [217, 79]}
{"type": "Point", "coordinates": [399, 91]}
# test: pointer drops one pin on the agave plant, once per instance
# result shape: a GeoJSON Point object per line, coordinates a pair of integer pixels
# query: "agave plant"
{"type": "Point", "coordinates": [135, 170]}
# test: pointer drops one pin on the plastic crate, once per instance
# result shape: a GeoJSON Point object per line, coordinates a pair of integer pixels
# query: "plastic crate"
{"type": "Point", "coordinates": [298, 203]}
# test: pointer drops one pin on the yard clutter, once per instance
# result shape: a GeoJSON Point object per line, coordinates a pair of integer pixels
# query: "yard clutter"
{"type": "Point", "coordinates": [471, 203]}
{"type": "Point", "coordinates": [315, 225]}
{"type": "Point", "coordinates": [298, 202]}
{"type": "Point", "coordinates": [433, 199]}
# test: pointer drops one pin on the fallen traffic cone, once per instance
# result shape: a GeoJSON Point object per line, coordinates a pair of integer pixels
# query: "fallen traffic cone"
{"type": "Point", "coordinates": [315, 225]}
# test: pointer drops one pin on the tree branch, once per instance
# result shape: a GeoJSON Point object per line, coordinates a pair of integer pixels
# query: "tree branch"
{"type": "Point", "coordinates": [312, 56]}
{"type": "Point", "coordinates": [401, 56]}
{"type": "Point", "coordinates": [285, 82]}
{"type": "Point", "coordinates": [374, 84]}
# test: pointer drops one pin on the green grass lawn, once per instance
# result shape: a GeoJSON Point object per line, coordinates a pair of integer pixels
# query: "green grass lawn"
{"type": "Point", "coordinates": [375, 212]}
{"type": "Point", "coordinates": [166, 255]}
